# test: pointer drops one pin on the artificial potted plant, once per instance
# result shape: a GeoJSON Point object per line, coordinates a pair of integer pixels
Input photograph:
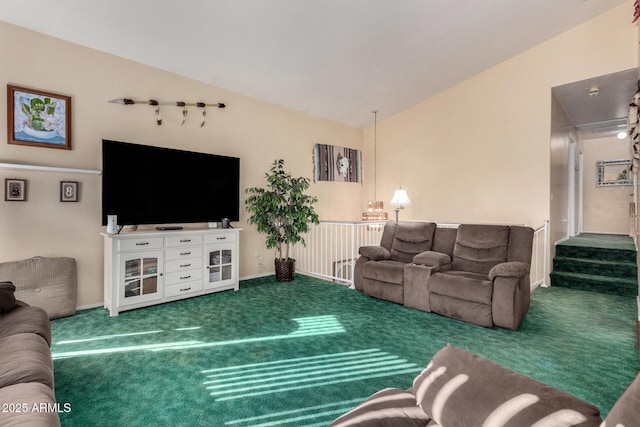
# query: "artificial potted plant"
{"type": "Point", "coordinates": [283, 212]}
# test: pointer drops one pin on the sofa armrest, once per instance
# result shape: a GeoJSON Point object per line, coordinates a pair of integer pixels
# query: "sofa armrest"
{"type": "Point", "coordinates": [514, 269]}
{"type": "Point", "coordinates": [374, 253]}
{"type": "Point", "coordinates": [432, 259]}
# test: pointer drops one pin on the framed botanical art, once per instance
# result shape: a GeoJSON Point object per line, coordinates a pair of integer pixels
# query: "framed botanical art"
{"type": "Point", "coordinates": [15, 190]}
{"type": "Point", "coordinates": [68, 191]}
{"type": "Point", "coordinates": [38, 118]}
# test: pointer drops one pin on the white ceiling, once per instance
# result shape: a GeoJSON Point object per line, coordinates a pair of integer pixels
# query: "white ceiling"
{"type": "Point", "coordinates": [337, 59]}
{"type": "Point", "coordinates": [604, 112]}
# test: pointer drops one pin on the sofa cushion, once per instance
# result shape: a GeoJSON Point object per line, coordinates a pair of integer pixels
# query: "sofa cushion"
{"type": "Point", "coordinates": [25, 319]}
{"type": "Point", "coordinates": [7, 297]}
{"type": "Point", "coordinates": [459, 388]}
{"type": "Point", "coordinates": [388, 407]}
{"type": "Point", "coordinates": [479, 247]}
{"type": "Point", "coordinates": [47, 282]}
{"type": "Point", "coordinates": [385, 271]}
{"type": "Point", "coordinates": [468, 287]}
{"type": "Point", "coordinates": [410, 239]}
{"type": "Point", "coordinates": [25, 358]}
{"type": "Point", "coordinates": [626, 411]}
{"type": "Point", "coordinates": [39, 402]}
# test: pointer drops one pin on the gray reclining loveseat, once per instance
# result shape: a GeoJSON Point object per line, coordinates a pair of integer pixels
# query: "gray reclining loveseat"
{"type": "Point", "coordinates": [474, 273]}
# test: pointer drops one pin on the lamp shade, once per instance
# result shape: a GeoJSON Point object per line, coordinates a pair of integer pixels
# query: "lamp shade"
{"type": "Point", "coordinates": [400, 198]}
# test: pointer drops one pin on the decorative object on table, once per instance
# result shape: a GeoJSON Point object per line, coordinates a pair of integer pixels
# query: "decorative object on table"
{"type": "Point", "coordinates": [68, 191]}
{"type": "Point", "coordinates": [375, 208]}
{"type": "Point", "coordinates": [15, 190]}
{"type": "Point", "coordinates": [181, 104]}
{"type": "Point", "coordinates": [400, 199]}
{"type": "Point", "coordinates": [283, 212]}
{"type": "Point", "coordinates": [38, 118]}
{"type": "Point", "coordinates": [332, 163]}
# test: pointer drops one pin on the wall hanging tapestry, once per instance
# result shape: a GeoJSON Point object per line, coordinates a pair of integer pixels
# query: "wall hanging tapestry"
{"type": "Point", "coordinates": [333, 163]}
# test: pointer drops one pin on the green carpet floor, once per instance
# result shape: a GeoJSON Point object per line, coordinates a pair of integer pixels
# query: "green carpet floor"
{"type": "Point", "coordinates": [597, 262]}
{"type": "Point", "coordinates": [302, 353]}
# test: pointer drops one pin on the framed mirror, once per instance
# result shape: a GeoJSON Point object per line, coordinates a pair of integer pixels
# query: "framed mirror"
{"type": "Point", "coordinates": [614, 172]}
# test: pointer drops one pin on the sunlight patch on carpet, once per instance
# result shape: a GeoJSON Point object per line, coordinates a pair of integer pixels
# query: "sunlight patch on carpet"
{"type": "Point", "coordinates": [300, 414]}
{"type": "Point", "coordinates": [294, 374]}
{"type": "Point", "coordinates": [307, 326]}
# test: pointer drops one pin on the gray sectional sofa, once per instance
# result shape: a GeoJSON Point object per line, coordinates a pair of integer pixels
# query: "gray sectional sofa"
{"type": "Point", "coordinates": [474, 273]}
{"type": "Point", "coordinates": [27, 395]}
{"type": "Point", "coordinates": [459, 388]}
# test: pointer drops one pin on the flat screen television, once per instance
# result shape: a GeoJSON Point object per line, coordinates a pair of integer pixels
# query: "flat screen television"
{"type": "Point", "coordinates": [143, 184]}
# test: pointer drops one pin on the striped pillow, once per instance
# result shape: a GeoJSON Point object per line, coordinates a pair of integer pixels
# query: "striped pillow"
{"type": "Point", "coordinates": [459, 388]}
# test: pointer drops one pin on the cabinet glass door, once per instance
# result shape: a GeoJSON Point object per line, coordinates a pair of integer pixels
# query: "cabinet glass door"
{"type": "Point", "coordinates": [220, 265]}
{"type": "Point", "coordinates": [140, 278]}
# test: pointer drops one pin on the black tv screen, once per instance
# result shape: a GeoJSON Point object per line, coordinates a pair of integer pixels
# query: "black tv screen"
{"type": "Point", "coordinates": [142, 184]}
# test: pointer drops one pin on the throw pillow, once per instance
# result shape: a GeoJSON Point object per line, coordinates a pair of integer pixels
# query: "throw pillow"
{"type": "Point", "coordinates": [7, 297]}
{"type": "Point", "coordinates": [459, 388]}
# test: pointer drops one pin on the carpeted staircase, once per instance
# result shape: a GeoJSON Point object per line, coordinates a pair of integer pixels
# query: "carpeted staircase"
{"type": "Point", "coordinates": [603, 263]}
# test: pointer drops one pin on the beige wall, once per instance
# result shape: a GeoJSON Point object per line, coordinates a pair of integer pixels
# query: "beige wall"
{"type": "Point", "coordinates": [480, 151]}
{"type": "Point", "coordinates": [606, 209]}
{"type": "Point", "coordinates": [253, 130]}
{"type": "Point", "coordinates": [562, 135]}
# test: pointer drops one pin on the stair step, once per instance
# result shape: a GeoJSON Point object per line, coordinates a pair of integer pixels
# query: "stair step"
{"type": "Point", "coordinates": [605, 254]}
{"type": "Point", "coordinates": [596, 283]}
{"type": "Point", "coordinates": [596, 267]}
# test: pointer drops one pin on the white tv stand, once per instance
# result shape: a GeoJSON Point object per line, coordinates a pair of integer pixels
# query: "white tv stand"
{"type": "Point", "coordinates": [145, 268]}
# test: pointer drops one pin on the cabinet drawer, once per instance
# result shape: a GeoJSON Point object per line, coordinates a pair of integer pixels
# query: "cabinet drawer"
{"type": "Point", "coordinates": [220, 238]}
{"type": "Point", "coordinates": [183, 276]}
{"type": "Point", "coordinates": [140, 244]}
{"type": "Point", "coordinates": [183, 264]}
{"type": "Point", "coordinates": [181, 253]}
{"type": "Point", "coordinates": [184, 240]}
{"type": "Point", "coordinates": [182, 288]}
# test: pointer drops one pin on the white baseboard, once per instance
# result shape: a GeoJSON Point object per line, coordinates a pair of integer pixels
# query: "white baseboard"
{"type": "Point", "coordinates": [87, 307]}
{"type": "Point", "coordinates": [255, 276]}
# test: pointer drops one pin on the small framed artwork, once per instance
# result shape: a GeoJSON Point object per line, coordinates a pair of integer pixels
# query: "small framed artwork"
{"type": "Point", "coordinates": [15, 190]}
{"type": "Point", "coordinates": [38, 118]}
{"type": "Point", "coordinates": [68, 191]}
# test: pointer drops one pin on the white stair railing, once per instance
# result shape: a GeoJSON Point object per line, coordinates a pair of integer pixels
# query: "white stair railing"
{"type": "Point", "coordinates": [331, 249]}
{"type": "Point", "coordinates": [539, 256]}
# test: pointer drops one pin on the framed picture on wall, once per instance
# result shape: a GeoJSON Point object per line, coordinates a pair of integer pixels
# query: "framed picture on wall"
{"type": "Point", "coordinates": [68, 191]}
{"type": "Point", "coordinates": [38, 118]}
{"type": "Point", "coordinates": [15, 190]}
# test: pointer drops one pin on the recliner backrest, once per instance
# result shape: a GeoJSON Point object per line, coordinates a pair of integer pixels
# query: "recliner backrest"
{"type": "Point", "coordinates": [520, 244]}
{"type": "Point", "coordinates": [410, 239]}
{"type": "Point", "coordinates": [480, 247]}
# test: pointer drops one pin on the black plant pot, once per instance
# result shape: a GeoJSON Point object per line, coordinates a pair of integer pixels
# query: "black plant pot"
{"type": "Point", "coordinates": [285, 270]}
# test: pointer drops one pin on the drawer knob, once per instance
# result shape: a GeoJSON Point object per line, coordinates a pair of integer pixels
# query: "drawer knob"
{"type": "Point", "coordinates": [142, 243]}
{"type": "Point", "coordinates": [185, 289]}
{"type": "Point", "coordinates": [185, 265]}
{"type": "Point", "coordinates": [221, 238]}
{"type": "Point", "coordinates": [185, 253]}
{"type": "Point", "coordinates": [185, 277]}
{"type": "Point", "coordinates": [185, 240]}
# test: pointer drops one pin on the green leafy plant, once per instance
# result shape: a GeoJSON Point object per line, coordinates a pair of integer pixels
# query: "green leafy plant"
{"type": "Point", "coordinates": [282, 210]}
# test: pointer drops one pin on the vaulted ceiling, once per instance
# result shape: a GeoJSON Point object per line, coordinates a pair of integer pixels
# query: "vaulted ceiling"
{"type": "Point", "coordinates": [337, 59]}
